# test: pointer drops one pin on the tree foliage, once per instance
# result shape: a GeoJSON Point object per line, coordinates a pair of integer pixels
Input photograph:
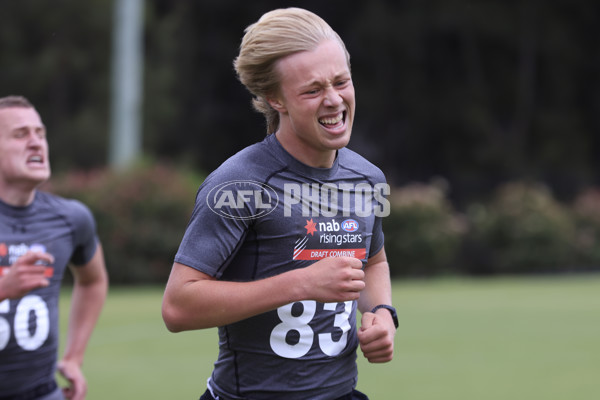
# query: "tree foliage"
{"type": "Point", "coordinates": [479, 93]}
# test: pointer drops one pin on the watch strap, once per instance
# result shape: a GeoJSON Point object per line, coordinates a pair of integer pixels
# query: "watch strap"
{"type": "Point", "coordinates": [392, 311]}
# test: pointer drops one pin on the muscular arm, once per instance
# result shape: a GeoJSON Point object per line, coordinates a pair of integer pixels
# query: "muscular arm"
{"type": "Point", "coordinates": [194, 300]}
{"type": "Point", "coordinates": [89, 293]}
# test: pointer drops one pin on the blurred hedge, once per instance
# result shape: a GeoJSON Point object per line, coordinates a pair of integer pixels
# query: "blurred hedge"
{"type": "Point", "coordinates": [423, 233]}
{"type": "Point", "coordinates": [586, 214]}
{"type": "Point", "coordinates": [520, 229]}
{"type": "Point", "coordinates": [142, 214]}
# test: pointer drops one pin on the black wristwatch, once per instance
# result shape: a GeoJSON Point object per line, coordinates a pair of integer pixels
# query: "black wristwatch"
{"type": "Point", "coordinates": [392, 311]}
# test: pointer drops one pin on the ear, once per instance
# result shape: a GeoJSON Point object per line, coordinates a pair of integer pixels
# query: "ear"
{"type": "Point", "coordinates": [276, 104]}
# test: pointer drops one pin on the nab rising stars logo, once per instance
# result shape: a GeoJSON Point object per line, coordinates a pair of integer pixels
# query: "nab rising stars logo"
{"type": "Point", "coordinates": [328, 235]}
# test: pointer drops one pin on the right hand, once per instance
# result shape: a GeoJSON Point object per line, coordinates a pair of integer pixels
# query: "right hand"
{"type": "Point", "coordinates": [25, 275]}
{"type": "Point", "coordinates": [334, 279]}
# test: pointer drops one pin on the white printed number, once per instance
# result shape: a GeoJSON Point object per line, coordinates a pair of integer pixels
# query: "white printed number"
{"type": "Point", "coordinates": [25, 338]}
{"type": "Point", "coordinates": [298, 326]}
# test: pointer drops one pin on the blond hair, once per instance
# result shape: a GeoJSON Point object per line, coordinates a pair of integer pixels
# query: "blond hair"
{"type": "Point", "coordinates": [277, 34]}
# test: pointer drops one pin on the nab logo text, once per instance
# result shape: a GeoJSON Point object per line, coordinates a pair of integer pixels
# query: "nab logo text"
{"type": "Point", "coordinates": [242, 199]}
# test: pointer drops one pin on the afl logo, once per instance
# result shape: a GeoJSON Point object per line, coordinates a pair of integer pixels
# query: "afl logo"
{"type": "Point", "coordinates": [350, 225]}
{"type": "Point", "coordinates": [242, 199]}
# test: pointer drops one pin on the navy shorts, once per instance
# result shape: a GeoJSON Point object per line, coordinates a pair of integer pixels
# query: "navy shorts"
{"type": "Point", "coordinates": [355, 395]}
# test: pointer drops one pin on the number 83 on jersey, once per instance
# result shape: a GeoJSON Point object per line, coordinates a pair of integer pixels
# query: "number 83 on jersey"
{"type": "Point", "coordinates": [294, 337]}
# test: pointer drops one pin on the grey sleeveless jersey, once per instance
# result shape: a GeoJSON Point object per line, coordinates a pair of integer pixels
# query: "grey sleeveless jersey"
{"type": "Point", "coordinates": [29, 325]}
{"type": "Point", "coordinates": [263, 213]}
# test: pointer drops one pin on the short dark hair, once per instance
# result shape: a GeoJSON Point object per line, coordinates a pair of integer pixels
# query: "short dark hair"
{"type": "Point", "coordinates": [15, 101]}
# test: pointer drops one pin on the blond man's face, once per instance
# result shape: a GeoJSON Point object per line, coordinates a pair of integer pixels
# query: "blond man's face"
{"type": "Point", "coordinates": [317, 101]}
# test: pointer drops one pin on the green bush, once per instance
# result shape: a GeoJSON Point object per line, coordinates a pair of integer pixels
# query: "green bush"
{"type": "Point", "coordinates": [586, 214]}
{"type": "Point", "coordinates": [523, 229]}
{"type": "Point", "coordinates": [141, 216]}
{"type": "Point", "coordinates": [423, 233]}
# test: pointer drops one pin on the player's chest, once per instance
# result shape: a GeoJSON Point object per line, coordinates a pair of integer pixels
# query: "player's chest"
{"type": "Point", "coordinates": [36, 233]}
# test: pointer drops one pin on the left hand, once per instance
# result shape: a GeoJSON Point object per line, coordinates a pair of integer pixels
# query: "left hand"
{"type": "Point", "coordinates": [71, 371]}
{"type": "Point", "coordinates": [376, 337]}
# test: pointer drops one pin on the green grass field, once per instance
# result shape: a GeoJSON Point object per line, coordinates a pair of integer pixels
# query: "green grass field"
{"type": "Point", "coordinates": [526, 338]}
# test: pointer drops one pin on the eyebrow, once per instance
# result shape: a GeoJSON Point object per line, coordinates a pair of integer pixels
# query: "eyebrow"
{"type": "Point", "coordinates": [316, 82]}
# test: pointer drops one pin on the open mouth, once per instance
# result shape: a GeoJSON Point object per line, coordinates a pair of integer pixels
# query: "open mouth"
{"type": "Point", "coordinates": [334, 121]}
{"type": "Point", "coordinates": [35, 160]}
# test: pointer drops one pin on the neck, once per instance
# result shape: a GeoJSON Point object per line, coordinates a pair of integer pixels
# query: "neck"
{"type": "Point", "coordinates": [305, 154]}
{"type": "Point", "coordinates": [17, 198]}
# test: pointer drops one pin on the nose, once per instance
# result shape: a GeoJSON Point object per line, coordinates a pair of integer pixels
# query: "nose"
{"type": "Point", "coordinates": [332, 98]}
{"type": "Point", "coordinates": [36, 140]}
